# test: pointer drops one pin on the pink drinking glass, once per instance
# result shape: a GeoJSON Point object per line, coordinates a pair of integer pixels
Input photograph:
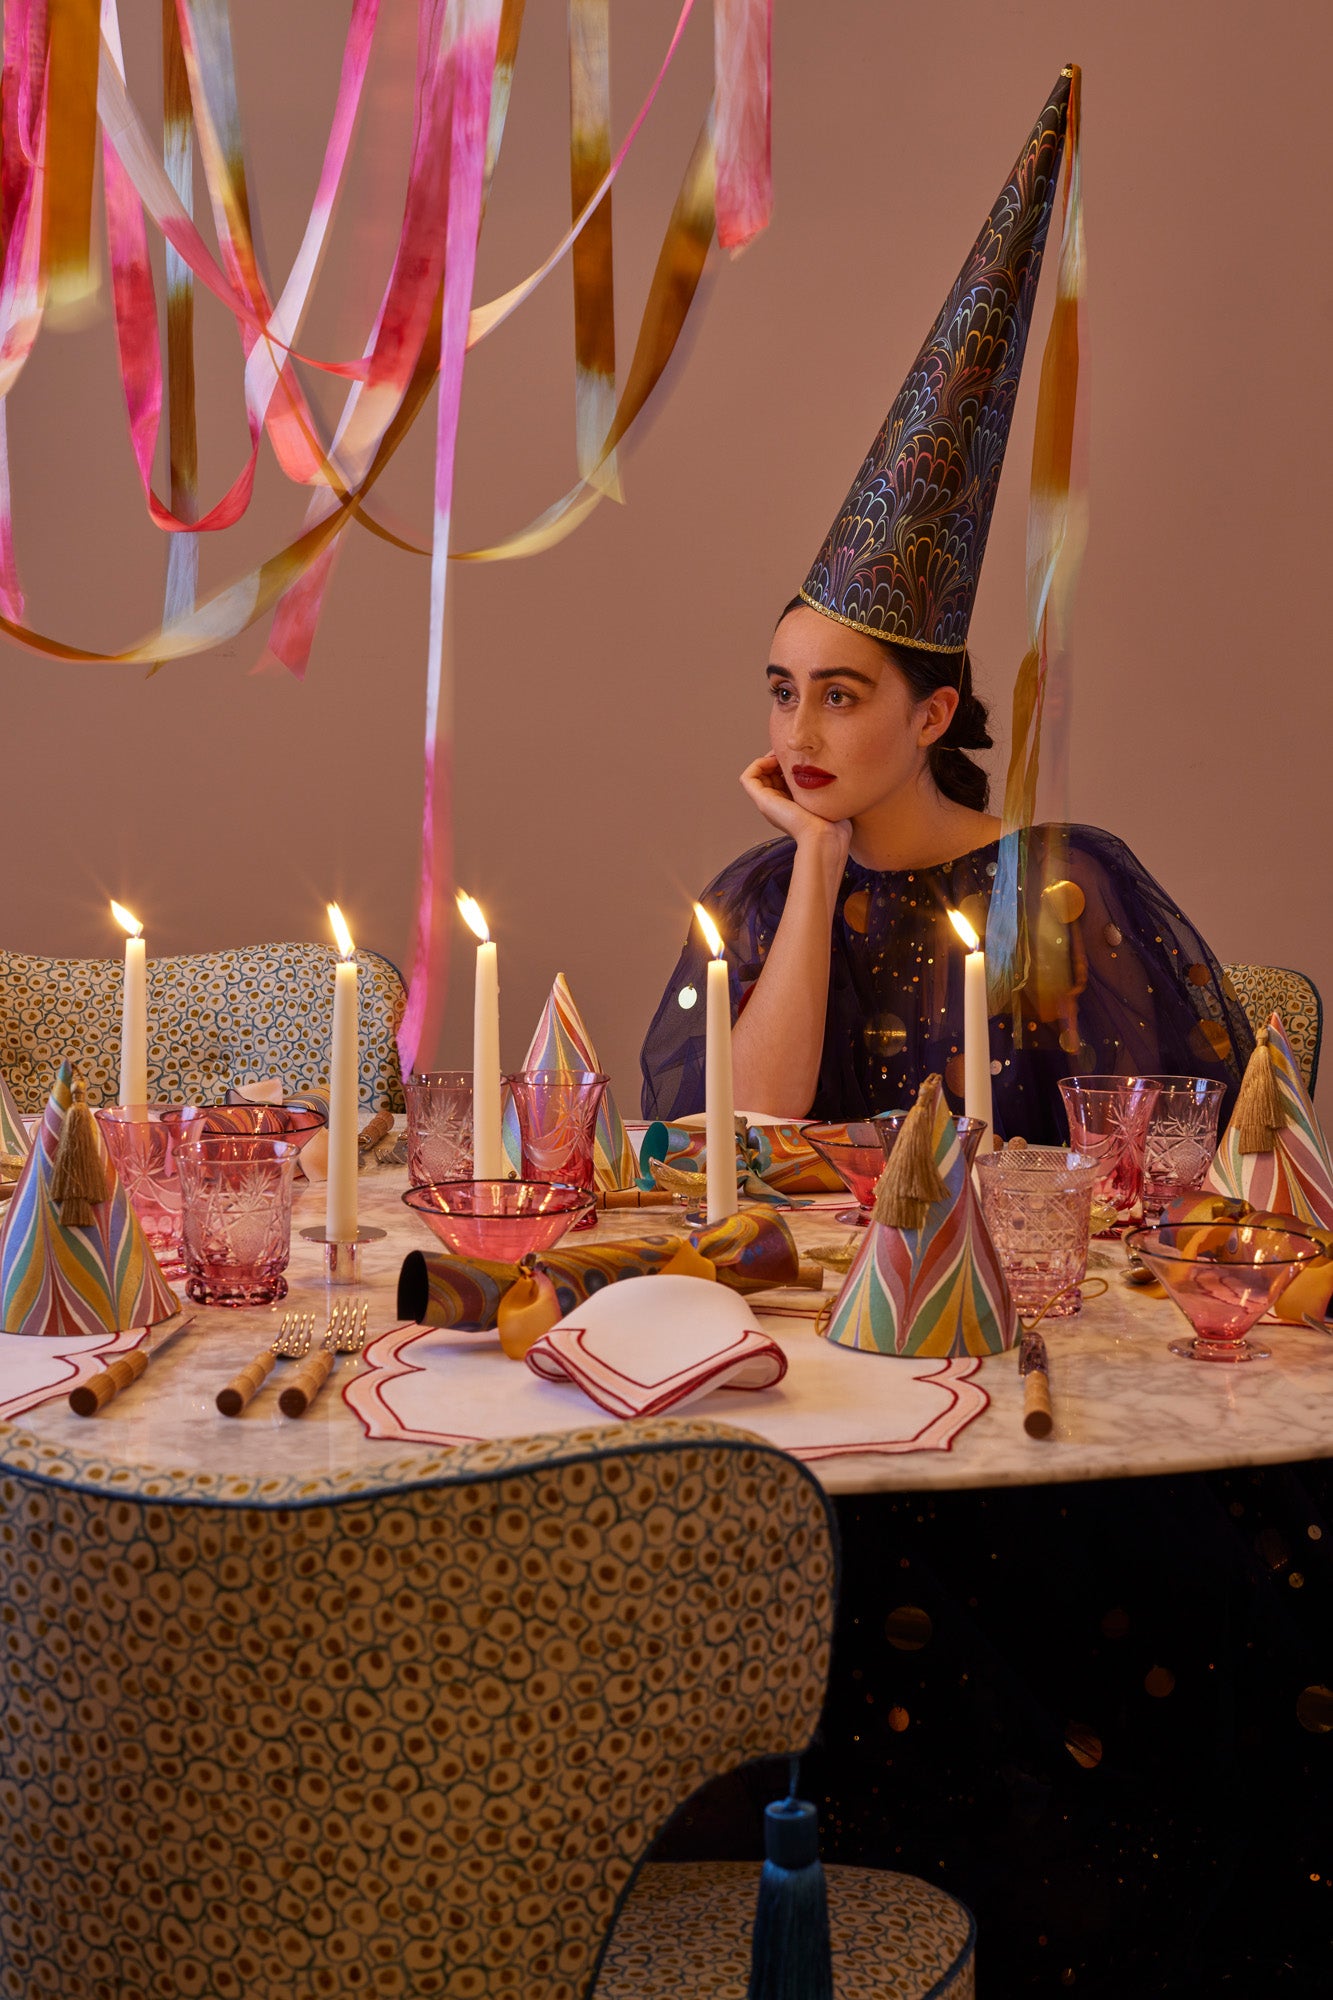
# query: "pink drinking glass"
{"type": "Point", "coordinates": [1108, 1121]}
{"type": "Point", "coordinates": [557, 1120]}
{"type": "Point", "coordinates": [439, 1125]}
{"type": "Point", "coordinates": [855, 1154]}
{"type": "Point", "coordinates": [1182, 1138]}
{"type": "Point", "coordinates": [236, 1218]}
{"type": "Point", "coordinates": [142, 1141]}
{"type": "Point", "coordinates": [1223, 1279]}
{"type": "Point", "coordinates": [889, 1124]}
{"type": "Point", "coordinates": [1037, 1201]}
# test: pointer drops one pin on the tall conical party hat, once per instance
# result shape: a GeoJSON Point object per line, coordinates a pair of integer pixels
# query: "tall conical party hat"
{"type": "Point", "coordinates": [60, 1278]}
{"type": "Point", "coordinates": [13, 1132]}
{"type": "Point", "coordinates": [903, 557]}
{"type": "Point", "coordinates": [934, 1286]}
{"type": "Point", "coordinates": [562, 1042]}
{"type": "Point", "coordinates": [1273, 1153]}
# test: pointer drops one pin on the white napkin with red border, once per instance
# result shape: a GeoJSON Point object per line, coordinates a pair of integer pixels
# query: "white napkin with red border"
{"type": "Point", "coordinates": [654, 1344]}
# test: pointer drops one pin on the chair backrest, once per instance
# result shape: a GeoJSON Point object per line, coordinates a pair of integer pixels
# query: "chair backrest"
{"type": "Point", "coordinates": [1267, 989]}
{"type": "Point", "coordinates": [215, 1019]}
{"type": "Point", "coordinates": [411, 1742]}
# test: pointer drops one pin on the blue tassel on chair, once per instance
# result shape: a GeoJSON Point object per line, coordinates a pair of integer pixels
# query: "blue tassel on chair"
{"type": "Point", "coordinates": [791, 1957]}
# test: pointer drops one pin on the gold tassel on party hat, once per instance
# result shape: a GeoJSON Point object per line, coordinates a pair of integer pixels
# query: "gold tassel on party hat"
{"type": "Point", "coordinates": [1259, 1115]}
{"type": "Point", "coordinates": [911, 1183]}
{"type": "Point", "coordinates": [78, 1177]}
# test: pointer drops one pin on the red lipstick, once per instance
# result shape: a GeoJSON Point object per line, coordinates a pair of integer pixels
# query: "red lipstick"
{"type": "Point", "coordinates": [810, 778]}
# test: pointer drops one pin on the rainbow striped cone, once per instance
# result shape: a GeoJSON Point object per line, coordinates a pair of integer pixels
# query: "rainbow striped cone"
{"type": "Point", "coordinates": [562, 1042]}
{"type": "Point", "coordinates": [1295, 1176]}
{"type": "Point", "coordinates": [937, 1290]}
{"type": "Point", "coordinates": [58, 1279]}
{"type": "Point", "coordinates": [13, 1134]}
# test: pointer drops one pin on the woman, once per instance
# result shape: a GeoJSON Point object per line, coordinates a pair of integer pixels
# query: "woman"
{"type": "Point", "coordinates": [847, 971]}
{"type": "Point", "coordinates": [847, 975]}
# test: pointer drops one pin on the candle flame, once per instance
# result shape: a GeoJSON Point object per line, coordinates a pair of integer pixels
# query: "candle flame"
{"type": "Point", "coordinates": [712, 934]}
{"type": "Point", "coordinates": [126, 921]}
{"type": "Point", "coordinates": [965, 930]}
{"type": "Point", "coordinates": [342, 936]}
{"type": "Point", "coordinates": [469, 909]}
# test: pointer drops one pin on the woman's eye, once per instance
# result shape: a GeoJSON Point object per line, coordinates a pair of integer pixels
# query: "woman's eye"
{"type": "Point", "coordinates": [781, 694]}
{"type": "Point", "coordinates": [839, 698]}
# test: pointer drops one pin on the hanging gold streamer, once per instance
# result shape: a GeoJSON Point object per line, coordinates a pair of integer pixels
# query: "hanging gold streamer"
{"type": "Point", "coordinates": [71, 149]}
{"type": "Point", "coordinates": [591, 258]}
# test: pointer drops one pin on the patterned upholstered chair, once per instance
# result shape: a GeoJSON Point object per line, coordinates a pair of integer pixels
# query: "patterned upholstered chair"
{"type": "Point", "coordinates": [296, 1738]}
{"type": "Point", "coordinates": [215, 1019]}
{"type": "Point", "coordinates": [1266, 989]}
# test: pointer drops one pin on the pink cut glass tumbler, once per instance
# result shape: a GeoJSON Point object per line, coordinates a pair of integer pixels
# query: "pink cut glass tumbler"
{"type": "Point", "coordinates": [1182, 1138]}
{"type": "Point", "coordinates": [1108, 1122]}
{"type": "Point", "coordinates": [557, 1121]}
{"type": "Point", "coordinates": [142, 1141]}
{"type": "Point", "coordinates": [439, 1126]}
{"type": "Point", "coordinates": [236, 1227]}
{"type": "Point", "coordinates": [1037, 1201]}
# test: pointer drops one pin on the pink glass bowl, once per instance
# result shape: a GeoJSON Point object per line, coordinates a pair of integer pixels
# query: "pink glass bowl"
{"type": "Point", "coordinates": [1223, 1277]}
{"type": "Point", "coordinates": [856, 1154]}
{"type": "Point", "coordinates": [498, 1220]}
{"type": "Point", "coordinates": [297, 1124]}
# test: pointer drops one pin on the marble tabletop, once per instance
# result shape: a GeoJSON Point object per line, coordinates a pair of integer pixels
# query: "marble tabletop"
{"type": "Point", "coordinates": [1124, 1406]}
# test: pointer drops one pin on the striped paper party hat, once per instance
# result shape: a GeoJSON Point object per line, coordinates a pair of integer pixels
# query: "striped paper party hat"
{"type": "Point", "coordinates": [562, 1042]}
{"type": "Point", "coordinates": [1291, 1173]}
{"type": "Point", "coordinates": [57, 1278]}
{"type": "Point", "coordinates": [13, 1132]}
{"type": "Point", "coordinates": [936, 1290]}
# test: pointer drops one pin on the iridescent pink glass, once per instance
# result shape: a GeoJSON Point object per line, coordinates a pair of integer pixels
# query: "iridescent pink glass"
{"type": "Point", "coordinates": [236, 1218]}
{"type": "Point", "coordinates": [1037, 1201]}
{"type": "Point", "coordinates": [1181, 1140]}
{"type": "Point", "coordinates": [142, 1140]}
{"type": "Point", "coordinates": [498, 1220]}
{"type": "Point", "coordinates": [1223, 1279]}
{"type": "Point", "coordinates": [557, 1118]}
{"type": "Point", "coordinates": [855, 1153]}
{"type": "Point", "coordinates": [297, 1124]}
{"type": "Point", "coordinates": [1108, 1121]}
{"type": "Point", "coordinates": [890, 1123]}
{"type": "Point", "coordinates": [439, 1125]}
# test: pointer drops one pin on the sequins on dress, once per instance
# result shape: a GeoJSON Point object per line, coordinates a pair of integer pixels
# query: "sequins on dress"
{"type": "Point", "coordinates": [1117, 981]}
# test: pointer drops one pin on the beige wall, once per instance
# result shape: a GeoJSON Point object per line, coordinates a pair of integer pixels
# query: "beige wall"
{"type": "Point", "coordinates": [609, 691]}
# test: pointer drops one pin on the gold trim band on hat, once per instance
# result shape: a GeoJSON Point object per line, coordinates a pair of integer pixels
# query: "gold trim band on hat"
{"type": "Point", "coordinates": [889, 638]}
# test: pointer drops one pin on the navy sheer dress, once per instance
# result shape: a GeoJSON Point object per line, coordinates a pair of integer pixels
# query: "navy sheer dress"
{"type": "Point", "coordinates": [1117, 981]}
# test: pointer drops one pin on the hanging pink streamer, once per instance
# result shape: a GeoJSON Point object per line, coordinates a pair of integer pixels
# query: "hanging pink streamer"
{"type": "Point", "coordinates": [743, 118]}
{"type": "Point", "coordinates": [473, 62]}
{"type": "Point", "coordinates": [297, 617]}
{"type": "Point", "coordinates": [136, 305]}
{"type": "Point", "coordinates": [22, 122]}
{"type": "Point", "coordinates": [400, 328]}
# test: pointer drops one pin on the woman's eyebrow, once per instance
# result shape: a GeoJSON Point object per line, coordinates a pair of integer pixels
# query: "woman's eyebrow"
{"type": "Point", "coordinates": [827, 674]}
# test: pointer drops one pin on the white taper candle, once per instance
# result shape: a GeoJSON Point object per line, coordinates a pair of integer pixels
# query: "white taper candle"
{"type": "Point", "coordinates": [133, 1012]}
{"type": "Point", "coordinates": [488, 1157]}
{"type": "Point", "coordinates": [340, 1210]}
{"type": "Point", "coordinates": [719, 1093]}
{"type": "Point", "coordinates": [976, 1032]}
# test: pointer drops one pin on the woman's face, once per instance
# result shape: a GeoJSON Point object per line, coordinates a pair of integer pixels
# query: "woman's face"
{"type": "Point", "coordinates": [843, 723]}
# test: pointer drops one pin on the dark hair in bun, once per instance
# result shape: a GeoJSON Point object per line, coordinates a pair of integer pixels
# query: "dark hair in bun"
{"type": "Point", "coordinates": [956, 774]}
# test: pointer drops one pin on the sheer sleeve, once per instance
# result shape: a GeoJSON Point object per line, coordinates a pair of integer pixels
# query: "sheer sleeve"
{"type": "Point", "coordinates": [1144, 992]}
{"type": "Point", "coordinates": [745, 902]}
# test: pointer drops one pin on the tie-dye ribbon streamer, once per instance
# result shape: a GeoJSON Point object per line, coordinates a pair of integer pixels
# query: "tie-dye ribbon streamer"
{"type": "Point", "coordinates": [1057, 531]}
{"type": "Point", "coordinates": [426, 322]}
